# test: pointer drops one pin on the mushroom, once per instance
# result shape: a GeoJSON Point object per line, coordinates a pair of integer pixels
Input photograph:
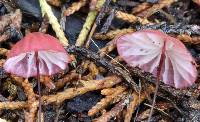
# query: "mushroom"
{"type": "Point", "coordinates": [164, 56]}
{"type": "Point", "coordinates": [37, 54]}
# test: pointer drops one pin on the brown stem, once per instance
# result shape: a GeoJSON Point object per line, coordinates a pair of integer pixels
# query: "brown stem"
{"type": "Point", "coordinates": [39, 88]}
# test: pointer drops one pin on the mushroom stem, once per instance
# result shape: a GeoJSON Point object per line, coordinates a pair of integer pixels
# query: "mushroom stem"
{"type": "Point", "coordinates": [39, 89]}
{"type": "Point", "coordinates": [157, 82]}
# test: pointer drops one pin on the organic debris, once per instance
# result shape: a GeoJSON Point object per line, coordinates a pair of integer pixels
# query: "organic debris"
{"type": "Point", "coordinates": [98, 84]}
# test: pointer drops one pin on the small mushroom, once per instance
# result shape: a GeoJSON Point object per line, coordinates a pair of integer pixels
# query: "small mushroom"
{"type": "Point", "coordinates": [37, 54]}
{"type": "Point", "coordinates": [164, 56]}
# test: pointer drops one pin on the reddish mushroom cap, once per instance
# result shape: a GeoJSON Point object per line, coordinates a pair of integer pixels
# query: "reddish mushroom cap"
{"type": "Point", "coordinates": [51, 55]}
{"type": "Point", "coordinates": [36, 41]}
{"type": "Point", "coordinates": [144, 49]}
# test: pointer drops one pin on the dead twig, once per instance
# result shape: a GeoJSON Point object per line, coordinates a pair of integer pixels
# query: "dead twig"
{"type": "Point", "coordinates": [135, 102]}
{"type": "Point", "coordinates": [130, 18]}
{"type": "Point", "coordinates": [106, 101]}
{"type": "Point", "coordinates": [155, 8]}
{"type": "Point", "coordinates": [87, 86]}
{"type": "Point", "coordinates": [110, 46]}
{"type": "Point", "coordinates": [74, 7]}
{"type": "Point", "coordinates": [88, 24]}
{"type": "Point", "coordinates": [89, 55]}
{"type": "Point", "coordinates": [141, 7]}
{"type": "Point", "coordinates": [28, 89]}
{"type": "Point", "coordinates": [56, 3]}
{"type": "Point", "coordinates": [13, 105]}
{"type": "Point", "coordinates": [114, 111]}
{"type": "Point", "coordinates": [112, 34]}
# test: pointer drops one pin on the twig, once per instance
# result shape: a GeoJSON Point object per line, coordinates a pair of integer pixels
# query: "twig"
{"type": "Point", "coordinates": [88, 24]}
{"type": "Point", "coordinates": [74, 7]}
{"type": "Point", "coordinates": [189, 39]}
{"type": "Point", "coordinates": [89, 55]}
{"type": "Point", "coordinates": [13, 105]}
{"type": "Point", "coordinates": [87, 86]}
{"type": "Point", "coordinates": [135, 102]}
{"type": "Point", "coordinates": [108, 22]}
{"type": "Point", "coordinates": [3, 51]}
{"type": "Point", "coordinates": [45, 24]}
{"type": "Point", "coordinates": [118, 59]}
{"type": "Point", "coordinates": [173, 29]}
{"type": "Point", "coordinates": [130, 18]}
{"type": "Point", "coordinates": [46, 9]}
{"type": "Point", "coordinates": [112, 34]}
{"type": "Point", "coordinates": [156, 7]}
{"type": "Point", "coordinates": [46, 80]}
{"type": "Point", "coordinates": [31, 98]}
{"type": "Point", "coordinates": [110, 46]}
{"type": "Point", "coordinates": [114, 111]}
{"type": "Point", "coordinates": [105, 101]}
{"type": "Point", "coordinates": [56, 3]}
{"type": "Point", "coordinates": [93, 72]}
{"type": "Point", "coordinates": [141, 7]}
{"type": "Point", "coordinates": [69, 77]}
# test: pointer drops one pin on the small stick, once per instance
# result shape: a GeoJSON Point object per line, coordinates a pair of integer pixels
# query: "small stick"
{"type": "Point", "coordinates": [56, 3]}
{"type": "Point", "coordinates": [13, 105]}
{"type": "Point", "coordinates": [135, 102]}
{"type": "Point", "coordinates": [156, 7]}
{"type": "Point", "coordinates": [110, 46]}
{"type": "Point", "coordinates": [88, 24]}
{"type": "Point", "coordinates": [74, 7]}
{"type": "Point", "coordinates": [141, 7]}
{"type": "Point", "coordinates": [113, 112]}
{"type": "Point", "coordinates": [87, 86]}
{"type": "Point", "coordinates": [131, 18]}
{"type": "Point", "coordinates": [105, 101]}
{"type": "Point", "coordinates": [112, 34]}
{"type": "Point", "coordinates": [46, 9]}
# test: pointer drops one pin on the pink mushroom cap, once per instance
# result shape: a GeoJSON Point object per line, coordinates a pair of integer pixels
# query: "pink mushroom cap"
{"type": "Point", "coordinates": [51, 55]}
{"type": "Point", "coordinates": [144, 49]}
